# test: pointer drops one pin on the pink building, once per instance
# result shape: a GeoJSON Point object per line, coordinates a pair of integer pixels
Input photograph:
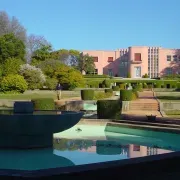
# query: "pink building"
{"type": "Point", "coordinates": [138, 61]}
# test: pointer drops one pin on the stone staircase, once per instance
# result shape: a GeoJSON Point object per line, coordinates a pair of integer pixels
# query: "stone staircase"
{"type": "Point", "coordinates": [144, 106]}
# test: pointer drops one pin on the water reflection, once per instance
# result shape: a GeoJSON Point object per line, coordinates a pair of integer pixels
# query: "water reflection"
{"type": "Point", "coordinates": [108, 147]}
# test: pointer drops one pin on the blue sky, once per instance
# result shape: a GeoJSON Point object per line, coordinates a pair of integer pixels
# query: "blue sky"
{"type": "Point", "coordinates": [100, 24]}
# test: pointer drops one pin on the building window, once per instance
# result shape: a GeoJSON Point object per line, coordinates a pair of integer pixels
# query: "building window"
{"type": "Point", "coordinates": [175, 58]}
{"type": "Point", "coordinates": [168, 57]}
{"type": "Point", "coordinates": [168, 71]}
{"type": "Point", "coordinates": [95, 59]}
{"type": "Point", "coordinates": [137, 56]}
{"type": "Point", "coordinates": [110, 59]}
{"type": "Point", "coordinates": [136, 148]}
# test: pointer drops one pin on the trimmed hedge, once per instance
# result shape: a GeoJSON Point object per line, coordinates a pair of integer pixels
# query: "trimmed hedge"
{"type": "Point", "coordinates": [122, 86]}
{"type": "Point", "coordinates": [95, 76]}
{"type": "Point", "coordinates": [109, 109]}
{"type": "Point", "coordinates": [87, 94]}
{"type": "Point", "coordinates": [115, 88]}
{"type": "Point", "coordinates": [43, 104]}
{"type": "Point", "coordinates": [125, 95]}
{"type": "Point", "coordinates": [107, 83]}
{"type": "Point", "coordinates": [108, 91]}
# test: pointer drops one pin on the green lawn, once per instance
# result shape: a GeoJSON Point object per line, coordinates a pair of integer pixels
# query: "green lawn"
{"type": "Point", "coordinates": [168, 96]}
{"type": "Point", "coordinates": [39, 94]}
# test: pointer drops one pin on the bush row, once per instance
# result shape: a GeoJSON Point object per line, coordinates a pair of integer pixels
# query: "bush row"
{"type": "Point", "coordinates": [144, 83]}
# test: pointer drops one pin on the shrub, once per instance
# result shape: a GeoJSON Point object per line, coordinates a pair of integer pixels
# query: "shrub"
{"type": "Point", "coordinates": [138, 87]}
{"type": "Point", "coordinates": [145, 85]}
{"type": "Point", "coordinates": [87, 94]}
{"type": "Point", "coordinates": [107, 83]}
{"type": "Point", "coordinates": [115, 88]}
{"type": "Point", "coordinates": [134, 94]}
{"type": "Point", "coordinates": [95, 76]}
{"type": "Point", "coordinates": [125, 95]}
{"type": "Point", "coordinates": [128, 75]}
{"type": "Point", "coordinates": [145, 76]}
{"type": "Point", "coordinates": [43, 104]}
{"type": "Point", "coordinates": [102, 95]}
{"type": "Point", "coordinates": [13, 83]}
{"type": "Point", "coordinates": [93, 84]}
{"type": "Point", "coordinates": [122, 86]}
{"type": "Point", "coordinates": [109, 109]}
{"type": "Point", "coordinates": [51, 83]}
{"type": "Point", "coordinates": [108, 91]}
{"type": "Point", "coordinates": [157, 85]}
{"type": "Point", "coordinates": [33, 76]}
{"type": "Point", "coordinates": [178, 85]}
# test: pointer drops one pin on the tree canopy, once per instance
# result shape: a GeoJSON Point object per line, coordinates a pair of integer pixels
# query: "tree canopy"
{"type": "Point", "coordinates": [11, 47]}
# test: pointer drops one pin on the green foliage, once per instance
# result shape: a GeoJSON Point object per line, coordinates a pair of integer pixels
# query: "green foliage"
{"type": "Point", "coordinates": [157, 85]}
{"type": "Point", "coordinates": [109, 109]}
{"type": "Point", "coordinates": [13, 83]}
{"type": "Point", "coordinates": [43, 104]}
{"type": "Point", "coordinates": [69, 78]}
{"type": "Point", "coordinates": [93, 84]}
{"type": "Point", "coordinates": [145, 76]}
{"type": "Point", "coordinates": [102, 95]}
{"type": "Point", "coordinates": [33, 76]}
{"type": "Point", "coordinates": [145, 86]}
{"type": "Point", "coordinates": [85, 63]}
{"type": "Point", "coordinates": [42, 53]}
{"type": "Point", "coordinates": [138, 87]}
{"type": "Point", "coordinates": [11, 47]}
{"type": "Point", "coordinates": [11, 66]}
{"type": "Point", "coordinates": [134, 94]}
{"type": "Point", "coordinates": [51, 83]}
{"type": "Point", "coordinates": [95, 76]}
{"type": "Point", "coordinates": [128, 75]}
{"type": "Point", "coordinates": [108, 91]}
{"type": "Point", "coordinates": [107, 83]}
{"type": "Point", "coordinates": [115, 88]}
{"type": "Point", "coordinates": [125, 95]}
{"type": "Point", "coordinates": [87, 94]}
{"type": "Point", "coordinates": [178, 86]}
{"type": "Point", "coordinates": [122, 86]}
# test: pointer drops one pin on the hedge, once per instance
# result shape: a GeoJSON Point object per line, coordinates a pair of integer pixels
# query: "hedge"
{"type": "Point", "coordinates": [43, 104]}
{"type": "Point", "coordinates": [107, 83]}
{"type": "Point", "coordinates": [108, 91]}
{"type": "Point", "coordinates": [122, 86]}
{"type": "Point", "coordinates": [87, 94]}
{"type": "Point", "coordinates": [115, 88]}
{"type": "Point", "coordinates": [125, 95]}
{"type": "Point", "coordinates": [95, 76]}
{"type": "Point", "coordinates": [109, 109]}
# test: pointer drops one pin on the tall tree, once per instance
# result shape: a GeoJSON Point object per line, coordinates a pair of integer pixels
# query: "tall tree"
{"type": "Point", "coordinates": [11, 25]}
{"type": "Point", "coordinates": [11, 47]}
{"type": "Point", "coordinates": [35, 42]}
{"type": "Point", "coordinates": [85, 63]}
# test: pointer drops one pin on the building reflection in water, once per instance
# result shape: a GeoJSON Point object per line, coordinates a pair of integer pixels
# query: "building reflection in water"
{"type": "Point", "coordinates": [106, 147]}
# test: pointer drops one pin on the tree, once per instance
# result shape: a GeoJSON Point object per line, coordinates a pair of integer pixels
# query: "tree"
{"type": "Point", "coordinates": [85, 63]}
{"type": "Point", "coordinates": [67, 76]}
{"type": "Point", "coordinates": [11, 25]}
{"type": "Point", "coordinates": [42, 53]}
{"type": "Point", "coordinates": [62, 55]}
{"type": "Point", "coordinates": [11, 66]}
{"type": "Point", "coordinates": [11, 47]}
{"type": "Point", "coordinates": [34, 43]}
{"type": "Point", "coordinates": [33, 76]}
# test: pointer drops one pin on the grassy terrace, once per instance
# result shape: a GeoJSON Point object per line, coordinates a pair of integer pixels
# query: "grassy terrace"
{"type": "Point", "coordinates": [39, 94]}
{"type": "Point", "coordinates": [168, 96]}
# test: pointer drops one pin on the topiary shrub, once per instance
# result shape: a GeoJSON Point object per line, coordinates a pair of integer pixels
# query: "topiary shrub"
{"type": "Point", "coordinates": [107, 83]}
{"type": "Point", "coordinates": [134, 94]}
{"type": "Point", "coordinates": [87, 94]}
{"type": "Point", "coordinates": [178, 86]}
{"type": "Point", "coordinates": [109, 109]}
{"type": "Point", "coordinates": [102, 95]}
{"type": "Point", "coordinates": [115, 88]}
{"type": "Point", "coordinates": [14, 83]}
{"type": "Point", "coordinates": [158, 85]}
{"type": "Point", "coordinates": [145, 86]}
{"type": "Point", "coordinates": [108, 91]}
{"type": "Point", "coordinates": [125, 95]}
{"type": "Point", "coordinates": [122, 86]}
{"type": "Point", "coordinates": [43, 104]}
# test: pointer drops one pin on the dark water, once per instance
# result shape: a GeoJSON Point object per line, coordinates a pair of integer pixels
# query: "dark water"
{"type": "Point", "coordinates": [71, 152]}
